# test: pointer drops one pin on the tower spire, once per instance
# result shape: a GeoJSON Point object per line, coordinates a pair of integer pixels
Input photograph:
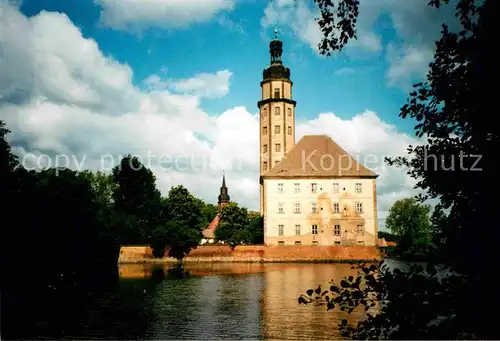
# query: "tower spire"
{"type": "Point", "coordinates": [224, 198]}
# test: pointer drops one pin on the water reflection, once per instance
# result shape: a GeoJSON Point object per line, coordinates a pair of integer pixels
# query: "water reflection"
{"type": "Point", "coordinates": [212, 301]}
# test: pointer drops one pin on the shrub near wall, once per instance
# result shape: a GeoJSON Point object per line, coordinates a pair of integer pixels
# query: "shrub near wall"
{"type": "Point", "coordinates": [258, 253]}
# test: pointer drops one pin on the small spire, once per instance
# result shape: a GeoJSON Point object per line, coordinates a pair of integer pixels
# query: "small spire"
{"type": "Point", "coordinates": [275, 32]}
{"type": "Point", "coordinates": [223, 178]}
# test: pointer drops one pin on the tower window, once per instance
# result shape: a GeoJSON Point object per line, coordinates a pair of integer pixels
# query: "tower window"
{"type": "Point", "coordinates": [265, 165]}
{"type": "Point", "coordinates": [278, 147]}
{"type": "Point", "coordinates": [276, 93]}
{"type": "Point", "coordinates": [276, 163]}
{"type": "Point", "coordinates": [264, 130]}
{"type": "Point", "coordinates": [276, 110]}
{"type": "Point", "coordinates": [277, 129]}
{"type": "Point", "coordinates": [289, 130]}
{"type": "Point", "coordinates": [289, 111]}
{"type": "Point", "coordinates": [264, 148]}
{"type": "Point", "coordinates": [264, 112]}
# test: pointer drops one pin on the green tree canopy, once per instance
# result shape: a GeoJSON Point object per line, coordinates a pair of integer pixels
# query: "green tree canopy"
{"type": "Point", "coordinates": [233, 225]}
{"type": "Point", "coordinates": [180, 231]}
{"type": "Point", "coordinates": [409, 220]}
{"type": "Point", "coordinates": [137, 201]}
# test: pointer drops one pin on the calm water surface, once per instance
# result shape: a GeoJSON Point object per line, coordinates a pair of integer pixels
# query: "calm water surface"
{"type": "Point", "coordinates": [218, 301]}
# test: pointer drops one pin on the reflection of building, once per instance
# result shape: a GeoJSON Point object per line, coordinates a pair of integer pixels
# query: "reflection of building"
{"type": "Point", "coordinates": [224, 199]}
{"type": "Point", "coordinates": [283, 318]}
{"type": "Point", "coordinates": [311, 192]}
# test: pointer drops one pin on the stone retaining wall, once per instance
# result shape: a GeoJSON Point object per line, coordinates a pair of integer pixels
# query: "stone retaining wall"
{"type": "Point", "coordinates": [256, 253]}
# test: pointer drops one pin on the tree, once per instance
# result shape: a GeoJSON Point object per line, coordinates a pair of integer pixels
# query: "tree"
{"type": "Point", "coordinates": [413, 304]}
{"type": "Point", "coordinates": [233, 225]}
{"type": "Point", "coordinates": [457, 163]}
{"type": "Point", "coordinates": [181, 230]}
{"type": "Point", "coordinates": [410, 221]}
{"type": "Point", "coordinates": [255, 228]}
{"type": "Point", "coordinates": [137, 201]}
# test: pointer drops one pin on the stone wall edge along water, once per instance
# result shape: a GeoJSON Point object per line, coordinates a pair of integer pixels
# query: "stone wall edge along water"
{"type": "Point", "coordinates": [257, 253]}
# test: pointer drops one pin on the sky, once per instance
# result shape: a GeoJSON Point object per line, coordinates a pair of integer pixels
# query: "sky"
{"type": "Point", "coordinates": [176, 83]}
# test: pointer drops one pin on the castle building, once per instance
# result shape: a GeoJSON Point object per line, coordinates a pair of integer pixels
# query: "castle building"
{"type": "Point", "coordinates": [224, 200]}
{"type": "Point", "coordinates": [312, 192]}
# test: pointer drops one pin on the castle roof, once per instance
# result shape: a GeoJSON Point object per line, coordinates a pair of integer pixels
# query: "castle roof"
{"type": "Point", "coordinates": [318, 156]}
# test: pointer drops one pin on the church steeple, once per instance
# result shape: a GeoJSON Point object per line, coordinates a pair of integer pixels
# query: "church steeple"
{"type": "Point", "coordinates": [224, 197]}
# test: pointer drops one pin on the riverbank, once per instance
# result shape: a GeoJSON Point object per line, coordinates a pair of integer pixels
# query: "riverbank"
{"type": "Point", "coordinates": [257, 254]}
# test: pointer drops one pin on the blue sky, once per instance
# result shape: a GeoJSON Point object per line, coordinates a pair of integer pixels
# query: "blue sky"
{"type": "Point", "coordinates": [212, 46]}
{"type": "Point", "coordinates": [91, 80]}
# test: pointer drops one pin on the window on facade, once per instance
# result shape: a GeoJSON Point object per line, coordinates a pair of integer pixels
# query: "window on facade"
{"type": "Point", "coordinates": [277, 110]}
{"type": "Point", "coordinates": [298, 242]}
{"type": "Point", "coordinates": [336, 207]}
{"type": "Point", "coordinates": [280, 208]}
{"type": "Point", "coordinates": [336, 230]}
{"type": "Point", "coordinates": [297, 230]}
{"type": "Point", "coordinates": [296, 207]}
{"type": "Point", "coordinates": [276, 93]}
{"type": "Point", "coordinates": [277, 129]}
{"type": "Point", "coordinates": [314, 188]}
{"type": "Point", "coordinates": [277, 147]}
{"type": "Point", "coordinates": [360, 230]}
{"type": "Point", "coordinates": [289, 130]}
{"type": "Point", "coordinates": [280, 230]}
{"type": "Point", "coordinates": [281, 242]}
{"type": "Point", "coordinates": [289, 111]}
{"type": "Point", "coordinates": [265, 165]}
{"type": "Point", "coordinates": [296, 188]}
{"type": "Point", "coordinates": [276, 163]}
{"type": "Point", "coordinates": [264, 131]}
{"type": "Point", "coordinates": [358, 188]}
{"type": "Point", "coordinates": [280, 188]}
{"type": "Point", "coordinates": [314, 229]}
{"type": "Point", "coordinates": [314, 207]}
{"type": "Point", "coordinates": [359, 207]}
{"type": "Point", "coordinates": [264, 148]}
{"type": "Point", "coordinates": [335, 188]}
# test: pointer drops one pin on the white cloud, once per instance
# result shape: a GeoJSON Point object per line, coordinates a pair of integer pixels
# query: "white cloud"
{"type": "Point", "coordinates": [345, 71]}
{"type": "Point", "coordinates": [202, 85]}
{"type": "Point", "coordinates": [64, 98]}
{"type": "Point", "coordinates": [137, 15]}
{"type": "Point", "coordinates": [407, 63]}
{"type": "Point", "coordinates": [415, 23]}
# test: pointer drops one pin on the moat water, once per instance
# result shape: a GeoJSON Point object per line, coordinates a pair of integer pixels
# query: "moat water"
{"type": "Point", "coordinates": [217, 301]}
